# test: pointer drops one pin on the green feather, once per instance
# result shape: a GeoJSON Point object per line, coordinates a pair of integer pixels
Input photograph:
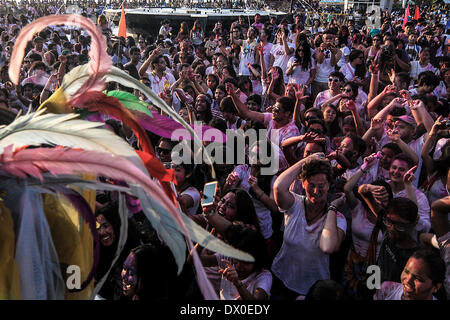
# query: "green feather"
{"type": "Point", "coordinates": [130, 101]}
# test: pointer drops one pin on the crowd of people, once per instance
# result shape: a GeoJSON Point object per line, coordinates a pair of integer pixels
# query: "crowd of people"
{"type": "Point", "coordinates": [358, 117]}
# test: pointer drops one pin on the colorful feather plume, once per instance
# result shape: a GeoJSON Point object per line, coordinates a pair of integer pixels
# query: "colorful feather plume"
{"type": "Point", "coordinates": [100, 60]}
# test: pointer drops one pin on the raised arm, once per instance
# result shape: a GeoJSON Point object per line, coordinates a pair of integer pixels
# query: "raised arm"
{"type": "Point", "coordinates": [146, 64]}
{"type": "Point", "coordinates": [241, 107]}
{"type": "Point", "coordinates": [283, 198]}
{"type": "Point", "coordinates": [374, 80]}
{"type": "Point", "coordinates": [408, 178]}
{"type": "Point", "coordinates": [353, 181]}
{"type": "Point", "coordinates": [394, 135]}
{"type": "Point", "coordinates": [331, 237]}
{"type": "Point", "coordinates": [397, 102]}
{"type": "Point", "coordinates": [372, 107]}
{"type": "Point", "coordinates": [360, 129]}
{"type": "Point", "coordinates": [430, 142]}
{"type": "Point", "coordinates": [421, 115]}
{"type": "Point", "coordinates": [376, 130]}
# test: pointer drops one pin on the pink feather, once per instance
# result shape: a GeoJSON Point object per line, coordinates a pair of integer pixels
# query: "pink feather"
{"type": "Point", "coordinates": [59, 161]}
{"type": "Point", "coordinates": [100, 60]}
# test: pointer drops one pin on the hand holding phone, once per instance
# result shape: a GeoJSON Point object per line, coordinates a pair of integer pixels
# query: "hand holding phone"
{"type": "Point", "coordinates": [209, 193]}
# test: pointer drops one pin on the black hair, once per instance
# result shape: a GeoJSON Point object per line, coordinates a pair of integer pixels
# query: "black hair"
{"type": "Point", "coordinates": [358, 144]}
{"type": "Point", "coordinates": [218, 124]}
{"type": "Point", "coordinates": [316, 166]}
{"type": "Point", "coordinates": [287, 103]}
{"type": "Point", "coordinates": [248, 240]}
{"type": "Point", "coordinates": [435, 265]}
{"type": "Point", "coordinates": [404, 208]}
{"type": "Point", "coordinates": [227, 105]}
{"type": "Point", "coordinates": [157, 272]}
{"type": "Point", "coordinates": [256, 98]}
{"type": "Point", "coordinates": [304, 61]}
{"type": "Point", "coordinates": [327, 290]}
{"type": "Point", "coordinates": [355, 89]}
{"type": "Point", "coordinates": [338, 74]}
{"type": "Point", "coordinates": [245, 208]}
{"type": "Point", "coordinates": [317, 121]}
{"type": "Point", "coordinates": [404, 157]}
{"type": "Point", "coordinates": [392, 146]}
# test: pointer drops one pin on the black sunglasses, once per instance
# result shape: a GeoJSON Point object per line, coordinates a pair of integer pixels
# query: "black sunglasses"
{"type": "Point", "coordinates": [163, 151]}
{"type": "Point", "coordinates": [333, 80]}
{"type": "Point", "coordinates": [318, 131]}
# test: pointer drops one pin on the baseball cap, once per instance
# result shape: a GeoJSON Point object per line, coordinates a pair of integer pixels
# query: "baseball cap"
{"type": "Point", "coordinates": [407, 119]}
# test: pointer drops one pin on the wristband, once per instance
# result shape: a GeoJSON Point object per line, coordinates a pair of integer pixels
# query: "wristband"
{"type": "Point", "coordinates": [332, 208]}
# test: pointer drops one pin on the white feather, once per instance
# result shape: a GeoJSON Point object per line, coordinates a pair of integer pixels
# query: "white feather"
{"type": "Point", "coordinates": [61, 129]}
{"type": "Point", "coordinates": [73, 80]}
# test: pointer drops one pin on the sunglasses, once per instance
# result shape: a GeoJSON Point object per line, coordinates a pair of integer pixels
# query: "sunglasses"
{"type": "Point", "coordinates": [348, 90]}
{"type": "Point", "coordinates": [318, 131]}
{"type": "Point", "coordinates": [400, 227]}
{"type": "Point", "coordinates": [277, 109]}
{"type": "Point", "coordinates": [333, 80]}
{"type": "Point", "coordinates": [163, 151]}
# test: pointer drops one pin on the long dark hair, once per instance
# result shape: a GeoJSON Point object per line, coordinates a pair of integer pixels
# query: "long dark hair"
{"type": "Point", "coordinates": [157, 272]}
{"type": "Point", "coordinates": [245, 209]}
{"type": "Point", "coordinates": [304, 61]}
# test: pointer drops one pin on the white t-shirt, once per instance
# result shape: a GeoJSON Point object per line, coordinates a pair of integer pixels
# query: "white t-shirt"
{"type": "Point", "coordinates": [325, 68]}
{"type": "Point", "coordinates": [362, 231]}
{"type": "Point", "coordinates": [195, 195]}
{"type": "Point", "coordinates": [263, 213]}
{"type": "Point", "coordinates": [246, 56]}
{"type": "Point", "coordinates": [159, 84]}
{"type": "Point", "coordinates": [300, 261]}
{"type": "Point", "coordinates": [345, 52]}
{"type": "Point", "coordinates": [300, 76]}
{"type": "Point", "coordinates": [261, 279]}
{"type": "Point", "coordinates": [280, 57]}
{"type": "Point", "coordinates": [266, 53]}
{"type": "Point", "coordinates": [348, 71]}
{"type": "Point", "coordinates": [322, 97]}
{"type": "Point", "coordinates": [417, 69]}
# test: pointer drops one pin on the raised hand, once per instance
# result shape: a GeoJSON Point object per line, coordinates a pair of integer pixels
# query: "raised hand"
{"type": "Point", "coordinates": [253, 182]}
{"type": "Point", "coordinates": [232, 179]}
{"type": "Point", "coordinates": [376, 124]}
{"type": "Point", "coordinates": [391, 75]}
{"type": "Point", "coordinates": [438, 124]}
{"type": "Point", "coordinates": [409, 176]}
{"type": "Point", "coordinates": [230, 88]}
{"type": "Point", "coordinates": [350, 105]}
{"type": "Point", "coordinates": [230, 273]}
{"type": "Point", "coordinates": [374, 68]}
{"type": "Point", "coordinates": [369, 161]}
{"type": "Point", "coordinates": [406, 95]}
{"type": "Point", "coordinates": [390, 89]}
{"type": "Point", "coordinates": [379, 194]}
{"type": "Point", "coordinates": [393, 134]}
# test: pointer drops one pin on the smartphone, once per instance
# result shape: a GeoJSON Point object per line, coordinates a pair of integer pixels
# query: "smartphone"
{"type": "Point", "coordinates": [209, 192]}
